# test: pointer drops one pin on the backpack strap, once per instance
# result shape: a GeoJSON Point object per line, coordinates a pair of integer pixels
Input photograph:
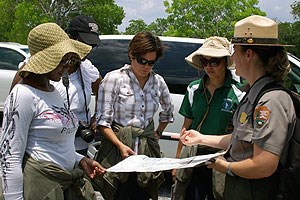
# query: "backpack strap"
{"type": "Point", "coordinates": [267, 88]}
{"type": "Point", "coordinates": [296, 101]}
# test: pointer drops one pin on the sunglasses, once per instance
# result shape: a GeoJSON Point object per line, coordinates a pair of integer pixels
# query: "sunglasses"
{"type": "Point", "coordinates": [144, 61]}
{"type": "Point", "coordinates": [70, 61]}
{"type": "Point", "coordinates": [213, 62]}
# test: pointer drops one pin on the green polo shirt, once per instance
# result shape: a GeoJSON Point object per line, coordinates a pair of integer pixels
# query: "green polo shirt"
{"type": "Point", "coordinates": [216, 111]}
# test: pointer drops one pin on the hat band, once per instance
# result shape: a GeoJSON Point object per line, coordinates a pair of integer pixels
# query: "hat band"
{"type": "Point", "coordinates": [251, 40]}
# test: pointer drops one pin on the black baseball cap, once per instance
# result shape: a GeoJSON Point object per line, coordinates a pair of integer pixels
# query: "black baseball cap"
{"type": "Point", "coordinates": [86, 28]}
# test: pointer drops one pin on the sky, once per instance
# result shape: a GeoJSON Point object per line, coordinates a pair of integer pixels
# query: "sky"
{"type": "Point", "coordinates": [149, 10]}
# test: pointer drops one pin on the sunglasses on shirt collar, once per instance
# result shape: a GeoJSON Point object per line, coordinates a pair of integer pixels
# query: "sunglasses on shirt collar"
{"type": "Point", "coordinates": [144, 61]}
{"type": "Point", "coordinates": [70, 61]}
{"type": "Point", "coordinates": [213, 62]}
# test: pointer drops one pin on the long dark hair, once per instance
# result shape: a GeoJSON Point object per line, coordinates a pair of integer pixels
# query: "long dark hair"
{"type": "Point", "coordinates": [274, 59]}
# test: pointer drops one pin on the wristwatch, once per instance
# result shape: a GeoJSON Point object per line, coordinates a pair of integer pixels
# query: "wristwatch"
{"type": "Point", "coordinates": [159, 133]}
{"type": "Point", "coordinates": [229, 172]}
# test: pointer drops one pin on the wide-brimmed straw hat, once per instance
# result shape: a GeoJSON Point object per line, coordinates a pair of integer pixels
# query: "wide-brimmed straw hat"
{"type": "Point", "coordinates": [256, 30]}
{"type": "Point", "coordinates": [48, 44]}
{"type": "Point", "coordinates": [213, 47]}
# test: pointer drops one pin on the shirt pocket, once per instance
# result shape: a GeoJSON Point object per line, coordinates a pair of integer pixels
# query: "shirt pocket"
{"type": "Point", "coordinates": [244, 132]}
{"type": "Point", "coordinates": [126, 96]}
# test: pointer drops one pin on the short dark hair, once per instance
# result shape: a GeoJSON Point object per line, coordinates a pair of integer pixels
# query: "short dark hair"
{"type": "Point", "coordinates": [144, 42]}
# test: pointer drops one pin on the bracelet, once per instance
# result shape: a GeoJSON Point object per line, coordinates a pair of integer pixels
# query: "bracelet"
{"type": "Point", "coordinates": [228, 171]}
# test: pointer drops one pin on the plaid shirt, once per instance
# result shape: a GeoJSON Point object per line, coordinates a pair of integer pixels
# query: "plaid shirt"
{"type": "Point", "coordinates": [122, 100]}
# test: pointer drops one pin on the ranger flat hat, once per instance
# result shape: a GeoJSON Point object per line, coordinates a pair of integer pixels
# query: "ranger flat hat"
{"type": "Point", "coordinates": [256, 30]}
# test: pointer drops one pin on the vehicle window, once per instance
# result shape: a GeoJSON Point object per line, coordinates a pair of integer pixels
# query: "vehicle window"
{"type": "Point", "coordinates": [26, 50]}
{"type": "Point", "coordinates": [293, 79]}
{"type": "Point", "coordinates": [10, 59]}
{"type": "Point", "coordinates": [112, 54]}
{"type": "Point", "coordinates": [175, 70]}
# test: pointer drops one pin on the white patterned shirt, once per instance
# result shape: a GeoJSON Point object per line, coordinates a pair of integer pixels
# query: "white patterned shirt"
{"type": "Point", "coordinates": [122, 100]}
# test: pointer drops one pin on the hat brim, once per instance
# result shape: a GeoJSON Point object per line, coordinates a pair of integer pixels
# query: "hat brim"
{"type": "Point", "coordinates": [194, 58]}
{"type": "Point", "coordinates": [90, 38]}
{"type": "Point", "coordinates": [48, 59]}
{"type": "Point", "coordinates": [268, 45]}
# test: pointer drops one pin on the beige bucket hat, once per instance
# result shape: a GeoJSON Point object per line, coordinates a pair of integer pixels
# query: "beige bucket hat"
{"type": "Point", "coordinates": [256, 30]}
{"type": "Point", "coordinates": [48, 43]}
{"type": "Point", "coordinates": [213, 47]}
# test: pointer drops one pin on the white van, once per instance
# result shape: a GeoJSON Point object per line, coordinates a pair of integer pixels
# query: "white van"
{"type": "Point", "coordinates": [11, 54]}
{"type": "Point", "coordinates": [112, 54]}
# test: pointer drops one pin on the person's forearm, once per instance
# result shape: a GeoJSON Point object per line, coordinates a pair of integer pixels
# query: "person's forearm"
{"type": "Point", "coordinates": [186, 125]}
{"type": "Point", "coordinates": [161, 126]}
{"type": "Point", "coordinates": [262, 164]}
{"type": "Point", "coordinates": [217, 141]}
{"type": "Point", "coordinates": [110, 135]}
{"type": "Point", "coordinates": [179, 148]}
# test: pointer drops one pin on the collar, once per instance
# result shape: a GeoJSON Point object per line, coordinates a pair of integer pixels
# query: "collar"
{"type": "Point", "coordinates": [127, 68]}
{"type": "Point", "coordinates": [227, 83]}
{"type": "Point", "coordinates": [257, 86]}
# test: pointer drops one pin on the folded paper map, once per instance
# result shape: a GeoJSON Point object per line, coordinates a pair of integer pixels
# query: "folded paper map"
{"type": "Point", "coordinates": [142, 163]}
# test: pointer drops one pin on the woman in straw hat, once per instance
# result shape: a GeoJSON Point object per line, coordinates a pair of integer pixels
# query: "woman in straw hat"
{"type": "Point", "coordinates": [207, 106]}
{"type": "Point", "coordinates": [38, 155]}
{"type": "Point", "coordinates": [84, 79]}
{"type": "Point", "coordinates": [256, 143]}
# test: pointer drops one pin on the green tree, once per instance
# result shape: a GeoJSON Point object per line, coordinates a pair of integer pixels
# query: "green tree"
{"type": "Point", "coordinates": [135, 26]}
{"type": "Point", "coordinates": [159, 26]}
{"type": "Point", "coordinates": [296, 10]}
{"type": "Point", "coordinates": [204, 18]}
{"type": "Point", "coordinates": [106, 13]}
{"type": "Point", "coordinates": [289, 32]}
{"type": "Point", "coordinates": [26, 16]}
{"type": "Point", "coordinates": [23, 15]}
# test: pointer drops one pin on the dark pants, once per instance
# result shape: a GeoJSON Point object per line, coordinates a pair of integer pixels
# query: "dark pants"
{"type": "Point", "coordinates": [237, 188]}
{"type": "Point", "coordinates": [200, 186]}
{"type": "Point", "coordinates": [131, 190]}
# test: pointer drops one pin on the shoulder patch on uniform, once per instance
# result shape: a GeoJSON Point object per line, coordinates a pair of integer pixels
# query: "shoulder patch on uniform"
{"type": "Point", "coordinates": [261, 115]}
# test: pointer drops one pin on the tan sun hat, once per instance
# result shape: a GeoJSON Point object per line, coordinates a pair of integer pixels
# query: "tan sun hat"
{"type": "Point", "coordinates": [48, 44]}
{"type": "Point", "coordinates": [256, 30]}
{"type": "Point", "coordinates": [213, 47]}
